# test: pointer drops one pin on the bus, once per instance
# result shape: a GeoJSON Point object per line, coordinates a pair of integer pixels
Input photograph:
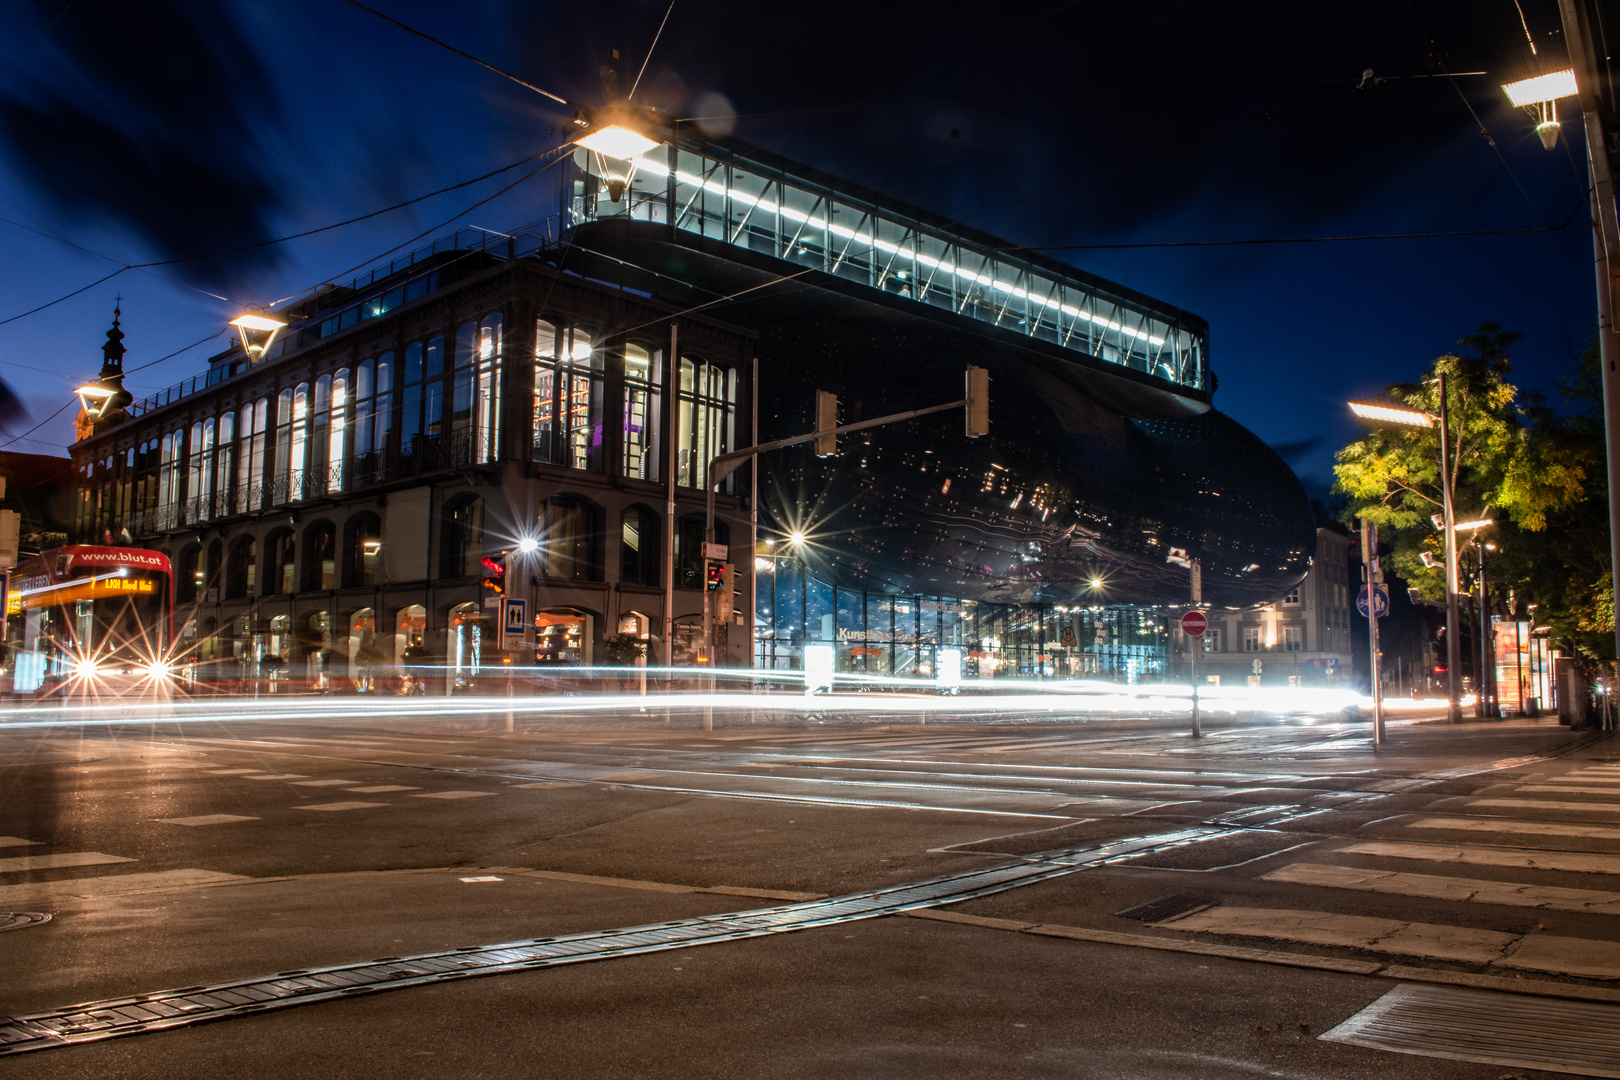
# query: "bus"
{"type": "Point", "coordinates": [90, 619]}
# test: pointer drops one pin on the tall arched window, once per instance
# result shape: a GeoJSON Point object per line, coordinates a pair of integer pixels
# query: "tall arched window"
{"type": "Point", "coordinates": [223, 472]}
{"type": "Point", "coordinates": [169, 479]}
{"type": "Point", "coordinates": [422, 420]}
{"type": "Point", "coordinates": [241, 575]}
{"type": "Point", "coordinates": [320, 556]}
{"type": "Point", "coordinates": [200, 468]}
{"type": "Point", "coordinates": [328, 433]}
{"type": "Point", "coordinates": [363, 544]}
{"type": "Point", "coordinates": [567, 398]}
{"type": "Point", "coordinates": [463, 541]}
{"type": "Point", "coordinates": [475, 394]}
{"type": "Point", "coordinates": [707, 417]}
{"type": "Point", "coordinates": [638, 547]}
{"type": "Point", "coordinates": [373, 417]}
{"type": "Point", "coordinates": [642, 378]}
{"type": "Point", "coordinates": [250, 456]}
{"type": "Point", "coordinates": [279, 577]}
{"type": "Point", "coordinates": [571, 540]}
{"type": "Point", "coordinates": [188, 575]}
{"type": "Point", "coordinates": [292, 434]}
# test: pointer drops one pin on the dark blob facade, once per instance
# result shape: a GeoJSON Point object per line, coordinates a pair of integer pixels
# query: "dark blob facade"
{"type": "Point", "coordinates": [334, 497]}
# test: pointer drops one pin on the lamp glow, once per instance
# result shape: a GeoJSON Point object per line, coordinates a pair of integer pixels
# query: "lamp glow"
{"type": "Point", "coordinates": [1465, 526]}
{"type": "Point", "coordinates": [796, 538]}
{"type": "Point", "coordinates": [528, 545]}
{"type": "Point", "coordinates": [615, 141]}
{"type": "Point", "coordinates": [250, 323]}
{"type": "Point", "coordinates": [1390, 415]}
{"type": "Point", "coordinates": [1549, 87]}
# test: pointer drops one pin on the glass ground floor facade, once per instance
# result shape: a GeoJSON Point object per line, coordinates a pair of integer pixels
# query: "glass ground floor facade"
{"type": "Point", "coordinates": [916, 636]}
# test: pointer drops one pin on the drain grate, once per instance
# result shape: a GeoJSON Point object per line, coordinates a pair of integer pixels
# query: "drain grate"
{"type": "Point", "coordinates": [1165, 908]}
{"type": "Point", "coordinates": [1492, 1028]}
{"type": "Point", "coordinates": [21, 920]}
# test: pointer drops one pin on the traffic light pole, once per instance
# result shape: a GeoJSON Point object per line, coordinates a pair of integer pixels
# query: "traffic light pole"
{"type": "Point", "coordinates": [723, 465]}
{"type": "Point", "coordinates": [1374, 575]}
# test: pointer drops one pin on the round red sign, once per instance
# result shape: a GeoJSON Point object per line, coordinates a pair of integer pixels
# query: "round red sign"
{"type": "Point", "coordinates": [1194, 623]}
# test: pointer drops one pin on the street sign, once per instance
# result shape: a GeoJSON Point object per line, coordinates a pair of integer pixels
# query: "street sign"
{"type": "Point", "coordinates": [716, 552]}
{"type": "Point", "coordinates": [1066, 638]}
{"type": "Point", "coordinates": [1380, 605]}
{"type": "Point", "coordinates": [1194, 623]}
{"type": "Point", "coordinates": [514, 623]}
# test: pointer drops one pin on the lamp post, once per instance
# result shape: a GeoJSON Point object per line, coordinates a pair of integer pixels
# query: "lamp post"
{"type": "Point", "coordinates": [1409, 417]}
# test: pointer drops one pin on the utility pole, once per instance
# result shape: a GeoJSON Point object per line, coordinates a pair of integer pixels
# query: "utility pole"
{"type": "Point", "coordinates": [1453, 646]}
{"type": "Point", "coordinates": [1373, 573]}
{"type": "Point", "coordinates": [1606, 249]}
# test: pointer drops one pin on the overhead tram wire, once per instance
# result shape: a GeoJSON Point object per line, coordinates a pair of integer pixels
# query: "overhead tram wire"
{"type": "Point", "coordinates": [648, 58]}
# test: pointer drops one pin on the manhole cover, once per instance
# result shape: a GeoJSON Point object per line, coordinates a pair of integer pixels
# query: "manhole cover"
{"type": "Point", "coordinates": [1165, 907]}
{"type": "Point", "coordinates": [17, 920]}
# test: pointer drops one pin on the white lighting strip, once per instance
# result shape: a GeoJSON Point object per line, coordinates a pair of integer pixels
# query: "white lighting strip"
{"type": "Point", "coordinates": [653, 168]}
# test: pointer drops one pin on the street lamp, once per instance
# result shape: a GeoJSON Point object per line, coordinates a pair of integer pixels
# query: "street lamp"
{"type": "Point", "coordinates": [615, 134]}
{"type": "Point", "coordinates": [257, 332]}
{"type": "Point", "coordinates": [1409, 417]}
{"type": "Point", "coordinates": [1540, 97]}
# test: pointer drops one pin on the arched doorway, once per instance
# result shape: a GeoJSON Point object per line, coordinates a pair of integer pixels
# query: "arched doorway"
{"type": "Point", "coordinates": [466, 646]}
{"type": "Point", "coordinates": [564, 636]}
{"type": "Point", "coordinates": [316, 645]}
{"type": "Point", "coordinates": [364, 656]}
{"type": "Point", "coordinates": [279, 653]}
{"type": "Point", "coordinates": [410, 631]}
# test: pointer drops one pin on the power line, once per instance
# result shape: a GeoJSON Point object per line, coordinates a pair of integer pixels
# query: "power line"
{"type": "Point", "coordinates": [648, 59]}
{"type": "Point", "coordinates": [69, 296]}
{"type": "Point", "coordinates": [458, 52]}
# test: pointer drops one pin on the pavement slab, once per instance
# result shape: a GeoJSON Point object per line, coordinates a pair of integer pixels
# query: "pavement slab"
{"type": "Point", "coordinates": [1566, 956]}
{"type": "Point", "coordinates": [1519, 828]}
{"type": "Point", "coordinates": [1426, 940]}
{"type": "Point", "coordinates": [1579, 862]}
{"type": "Point", "coordinates": [1437, 887]}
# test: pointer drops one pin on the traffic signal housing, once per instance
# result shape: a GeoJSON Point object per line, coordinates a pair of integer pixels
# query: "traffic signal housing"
{"type": "Point", "coordinates": [716, 576]}
{"type": "Point", "coordinates": [494, 583]}
{"type": "Point", "coordinates": [725, 599]}
{"type": "Point", "coordinates": [977, 414]}
{"type": "Point", "coordinates": [826, 420]}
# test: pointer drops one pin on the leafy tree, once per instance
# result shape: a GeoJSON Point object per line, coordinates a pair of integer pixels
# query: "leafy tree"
{"type": "Point", "coordinates": [1513, 459]}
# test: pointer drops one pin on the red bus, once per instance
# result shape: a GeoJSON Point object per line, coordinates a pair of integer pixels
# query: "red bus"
{"type": "Point", "coordinates": [97, 618]}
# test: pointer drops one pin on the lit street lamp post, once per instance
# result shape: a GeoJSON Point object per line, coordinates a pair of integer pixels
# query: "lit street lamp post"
{"type": "Point", "coordinates": [1408, 417]}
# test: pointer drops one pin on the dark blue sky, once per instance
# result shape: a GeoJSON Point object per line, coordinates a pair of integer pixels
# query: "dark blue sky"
{"type": "Point", "coordinates": [145, 132]}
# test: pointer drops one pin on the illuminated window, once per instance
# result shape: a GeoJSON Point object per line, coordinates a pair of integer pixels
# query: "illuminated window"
{"type": "Point", "coordinates": [475, 391]}
{"type": "Point", "coordinates": [638, 547]}
{"type": "Point", "coordinates": [707, 416]}
{"type": "Point", "coordinates": [1251, 639]}
{"type": "Point", "coordinates": [1212, 639]}
{"type": "Point", "coordinates": [641, 403]}
{"type": "Point", "coordinates": [567, 398]}
{"type": "Point", "coordinates": [422, 416]}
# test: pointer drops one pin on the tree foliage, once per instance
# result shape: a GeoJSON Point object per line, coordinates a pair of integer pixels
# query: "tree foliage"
{"type": "Point", "coordinates": [1536, 472]}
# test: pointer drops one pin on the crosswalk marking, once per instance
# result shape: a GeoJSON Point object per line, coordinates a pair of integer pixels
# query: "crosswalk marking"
{"type": "Point", "coordinates": [233, 772]}
{"type": "Point", "coordinates": [1428, 940]}
{"type": "Point", "coordinates": [1566, 789]}
{"type": "Point", "coordinates": [20, 863]}
{"type": "Point", "coordinates": [1436, 887]}
{"type": "Point", "coordinates": [1545, 804]}
{"type": "Point", "coordinates": [1566, 956]}
{"type": "Point", "coordinates": [113, 885]}
{"type": "Point", "coordinates": [1580, 862]}
{"type": "Point", "coordinates": [1524, 828]}
{"type": "Point", "coordinates": [278, 776]}
{"type": "Point", "coordinates": [321, 783]}
{"type": "Point", "coordinates": [335, 806]}
{"type": "Point", "coordinates": [16, 841]}
{"type": "Point", "coordinates": [377, 789]}
{"type": "Point", "coordinates": [551, 784]}
{"type": "Point", "coordinates": [204, 819]}
{"type": "Point", "coordinates": [452, 794]}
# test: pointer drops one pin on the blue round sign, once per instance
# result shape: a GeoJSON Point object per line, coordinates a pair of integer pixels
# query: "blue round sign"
{"type": "Point", "coordinates": [1380, 603]}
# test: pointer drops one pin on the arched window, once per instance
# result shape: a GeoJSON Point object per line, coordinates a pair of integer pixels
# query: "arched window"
{"type": "Point", "coordinates": [689, 549]}
{"type": "Point", "coordinates": [422, 418]}
{"type": "Point", "coordinates": [707, 417]}
{"type": "Point", "coordinates": [281, 547]}
{"type": "Point", "coordinates": [638, 547]}
{"type": "Point", "coordinates": [200, 468]}
{"type": "Point", "coordinates": [373, 417]}
{"type": "Point", "coordinates": [363, 544]}
{"type": "Point", "coordinates": [241, 576]}
{"type": "Point", "coordinates": [570, 540]}
{"type": "Point", "coordinates": [642, 378]}
{"type": "Point", "coordinates": [169, 480]}
{"type": "Point", "coordinates": [292, 434]}
{"type": "Point", "coordinates": [328, 433]}
{"type": "Point", "coordinates": [463, 540]}
{"type": "Point", "coordinates": [213, 570]}
{"type": "Point", "coordinates": [320, 556]}
{"type": "Point", "coordinates": [475, 391]}
{"type": "Point", "coordinates": [567, 398]}
{"type": "Point", "coordinates": [250, 456]}
{"type": "Point", "coordinates": [223, 472]}
{"type": "Point", "coordinates": [188, 575]}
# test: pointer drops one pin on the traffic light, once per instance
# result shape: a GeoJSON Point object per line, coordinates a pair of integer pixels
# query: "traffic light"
{"type": "Point", "coordinates": [725, 600]}
{"type": "Point", "coordinates": [978, 402]}
{"type": "Point", "coordinates": [826, 420]}
{"type": "Point", "coordinates": [495, 575]}
{"type": "Point", "coordinates": [717, 576]}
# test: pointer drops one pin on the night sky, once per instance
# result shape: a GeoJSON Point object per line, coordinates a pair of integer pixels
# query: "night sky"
{"type": "Point", "coordinates": [154, 131]}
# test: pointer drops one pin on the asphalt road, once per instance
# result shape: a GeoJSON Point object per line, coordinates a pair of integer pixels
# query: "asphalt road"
{"type": "Point", "coordinates": [175, 855]}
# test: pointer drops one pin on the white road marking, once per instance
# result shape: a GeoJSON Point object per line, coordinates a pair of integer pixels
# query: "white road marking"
{"type": "Point", "coordinates": [16, 841]}
{"type": "Point", "coordinates": [1566, 789]}
{"type": "Point", "coordinates": [278, 776]}
{"type": "Point", "coordinates": [551, 784]}
{"type": "Point", "coordinates": [485, 877]}
{"type": "Point", "coordinates": [114, 885]}
{"type": "Point", "coordinates": [1527, 828]}
{"type": "Point", "coordinates": [1567, 956]}
{"type": "Point", "coordinates": [233, 772]}
{"type": "Point", "coordinates": [1427, 940]}
{"type": "Point", "coordinates": [340, 806]}
{"type": "Point", "coordinates": [378, 789]}
{"type": "Point", "coordinates": [321, 783]}
{"type": "Point", "coordinates": [452, 794]}
{"type": "Point", "coordinates": [1580, 862]}
{"type": "Point", "coordinates": [1436, 887]}
{"type": "Point", "coordinates": [1546, 804]}
{"type": "Point", "coordinates": [204, 819]}
{"type": "Point", "coordinates": [19, 863]}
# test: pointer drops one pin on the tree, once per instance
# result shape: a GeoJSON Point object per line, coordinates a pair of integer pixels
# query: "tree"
{"type": "Point", "coordinates": [1514, 459]}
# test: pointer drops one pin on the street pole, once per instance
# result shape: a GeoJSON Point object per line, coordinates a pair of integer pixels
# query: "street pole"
{"type": "Point", "coordinates": [1195, 570]}
{"type": "Point", "coordinates": [1453, 646]}
{"type": "Point", "coordinates": [1606, 250]}
{"type": "Point", "coordinates": [1374, 575]}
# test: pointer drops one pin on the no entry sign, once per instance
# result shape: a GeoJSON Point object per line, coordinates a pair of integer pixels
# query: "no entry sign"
{"type": "Point", "coordinates": [1194, 623]}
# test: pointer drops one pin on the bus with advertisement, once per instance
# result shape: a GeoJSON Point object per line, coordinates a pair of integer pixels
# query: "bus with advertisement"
{"type": "Point", "coordinates": [90, 619]}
